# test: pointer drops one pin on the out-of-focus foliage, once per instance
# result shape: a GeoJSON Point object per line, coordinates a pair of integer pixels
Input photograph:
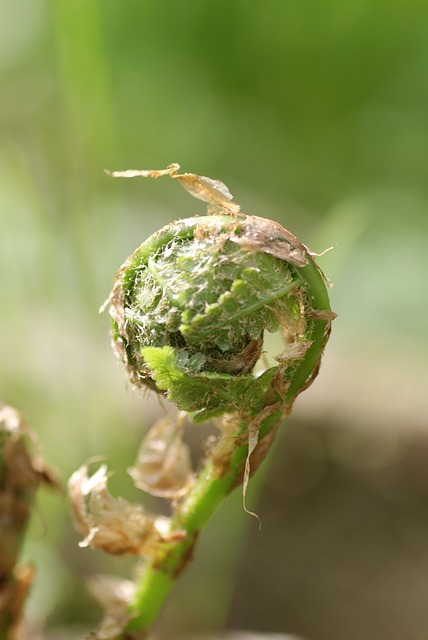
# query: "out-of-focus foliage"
{"type": "Point", "coordinates": [314, 114]}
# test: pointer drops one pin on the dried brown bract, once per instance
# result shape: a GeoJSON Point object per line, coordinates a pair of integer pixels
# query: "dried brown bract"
{"type": "Point", "coordinates": [163, 467]}
{"type": "Point", "coordinates": [111, 524]}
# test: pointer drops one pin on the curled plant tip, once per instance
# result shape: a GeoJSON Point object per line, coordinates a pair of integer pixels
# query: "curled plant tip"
{"type": "Point", "coordinates": [191, 306]}
{"type": "Point", "coordinates": [22, 470]}
{"type": "Point", "coordinates": [190, 309]}
{"type": "Point", "coordinates": [111, 524]}
{"type": "Point", "coordinates": [163, 466]}
{"type": "Point", "coordinates": [114, 595]}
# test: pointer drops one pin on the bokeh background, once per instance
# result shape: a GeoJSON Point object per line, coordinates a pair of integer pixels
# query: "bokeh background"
{"type": "Point", "coordinates": [314, 114]}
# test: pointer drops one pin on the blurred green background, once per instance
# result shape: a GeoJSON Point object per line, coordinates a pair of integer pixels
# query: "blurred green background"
{"type": "Point", "coordinates": [314, 114]}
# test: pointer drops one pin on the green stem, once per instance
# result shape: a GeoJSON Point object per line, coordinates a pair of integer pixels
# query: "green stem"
{"type": "Point", "coordinates": [224, 471]}
{"type": "Point", "coordinates": [206, 496]}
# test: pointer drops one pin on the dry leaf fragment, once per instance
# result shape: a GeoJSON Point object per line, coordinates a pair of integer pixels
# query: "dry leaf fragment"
{"type": "Point", "coordinates": [270, 237]}
{"type": "Point", "coordinates": [213, 192]}
{"type": "Point", "coordinates": [114, 595]}
{"type": "Point", "coordinates": [111, 524]}
{"type": "Point", "coordinates": [253, 441]}
{"type": "Point", "coordinates": [163, 466]}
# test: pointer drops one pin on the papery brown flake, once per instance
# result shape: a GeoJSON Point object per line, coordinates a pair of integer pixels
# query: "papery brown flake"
{"type": "Point", "coordinates": [253, 458]}
{"type": "Point", "coordinates": [111, 524]}
{"type": "Point", "coordinates": [213, 192]}
{"type": "Point", "coordinates": [163, 465]}
{"type": "Point", "coordinates": [114, 595]}
{"type": "Point", "coordinates": [267, 236]}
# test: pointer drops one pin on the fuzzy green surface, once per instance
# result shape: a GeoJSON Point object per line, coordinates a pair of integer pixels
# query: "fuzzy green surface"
{"type": "Point", "coordinates": [191, 297]}
{"type": "Point", "coordinates": [191, 289]}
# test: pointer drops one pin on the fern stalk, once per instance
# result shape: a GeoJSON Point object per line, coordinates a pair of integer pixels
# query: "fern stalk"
{"type": "Point", "coordinates": [190, 309]}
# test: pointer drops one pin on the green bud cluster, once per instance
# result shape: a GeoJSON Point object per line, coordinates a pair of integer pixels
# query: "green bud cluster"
{"type": "Point", "coordinates": [191, 305]}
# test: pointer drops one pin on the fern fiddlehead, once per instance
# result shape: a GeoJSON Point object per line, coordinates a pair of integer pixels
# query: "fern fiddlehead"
{"type": "Point", "coordinates": [190, 309]}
